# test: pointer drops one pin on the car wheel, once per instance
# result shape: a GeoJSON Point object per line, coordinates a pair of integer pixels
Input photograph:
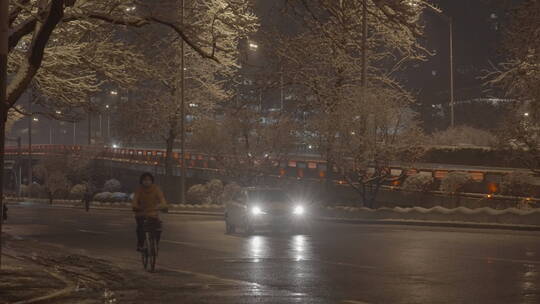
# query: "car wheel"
{"type": "Point", "coordinates": [249, 229]}
{"type": "Point", "coordinates": [301, 229]}
{"type": "Point", "coordinates": [229, 228]}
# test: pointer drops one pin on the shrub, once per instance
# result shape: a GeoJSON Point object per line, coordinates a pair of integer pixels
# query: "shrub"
{"type": "Point", "coordinates": [25, 191]}
{"type": "Point", "coordinates": [198, 194]}
{"type": "Point", "coordinates": [37, 190]}
{"type": "Point", "coordinates": [119, 197]}
{"type": "Point", "coordinates": [418, 182]}
{"type": "Point", "coordinates": [103, 197]}
{"type": "Point", "coordinates": [517, 184]}
{"type": "Point", "coordinates": [112, 185]}
{"type": "Point", "coordinates": [215, 190]}
{"type": "Point", "coordinates": [463, 136]}
{"type": "Point", "coordinates": [228, 192]}
{"type": "Point", "coordinates": [77, 191]}
{"type": "Point", "coordinates": [455, 181]}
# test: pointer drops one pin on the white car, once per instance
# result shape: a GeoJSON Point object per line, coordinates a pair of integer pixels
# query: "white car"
{"type": "Point", "coordinates": [254, 209]}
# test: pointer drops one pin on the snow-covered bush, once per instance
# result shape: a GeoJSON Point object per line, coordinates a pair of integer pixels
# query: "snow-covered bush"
{"type": "Point", "coordinates": [198, 194]}
{"type": "Point", "coordinates": [229, 191]}
{"type": "Point", "coordinates": [215, 190]}
{"type": "Point", "coordinates": [37, 191]}
{"type": "Point", "coordinates": [119, 197]}
{"type": "Point", "coordinates": [77, 191]}
{"type": "Point", "coordinates": [103, 197]}
{"type": "Point", "coordinates": [25, 190]}
{"type": "Point", "coordinates": [112, 185]}
{"type": "Point", "coordinates": [455, 181]}
{"type": "Point", "coordinates": [418, 182]}
{"type": "Point", "coordinates": [517, 184]}
{"type": "Point", "coordinates": [463, 136]}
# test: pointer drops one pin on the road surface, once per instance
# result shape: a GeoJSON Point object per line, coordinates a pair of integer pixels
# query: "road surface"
{"type": "Point", "coordinates": [336, 263]}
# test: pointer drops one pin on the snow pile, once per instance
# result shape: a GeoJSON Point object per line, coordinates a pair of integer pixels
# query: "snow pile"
{"type": "Point", "coordinates": [461, 214]}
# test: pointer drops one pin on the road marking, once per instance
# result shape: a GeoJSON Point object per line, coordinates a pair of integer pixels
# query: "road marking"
{"type": "Point", "coordinates": [345, 264]}
{"type": "Point", "coordinates": [181, 243]}
{"type": "Point", "coordinates": [492, 259]}
{"type": "Point", "coordinates": [214, 277]}
{"type": "Point", "coordinates": [91, 232]}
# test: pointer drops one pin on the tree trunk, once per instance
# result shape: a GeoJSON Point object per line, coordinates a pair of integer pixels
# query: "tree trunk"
{"type": "Point", "coordinates": [4, 8]}
{"type": "Point", "coordinates": [329, 181]}
{"type": "Point", "coordinates": [169, 162]}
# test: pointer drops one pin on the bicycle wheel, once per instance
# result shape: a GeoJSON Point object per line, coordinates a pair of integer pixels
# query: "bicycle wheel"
{"type": "Point", "coordinates": [144, 253]}
{"type": "Point", "coordinates": [152, 252]}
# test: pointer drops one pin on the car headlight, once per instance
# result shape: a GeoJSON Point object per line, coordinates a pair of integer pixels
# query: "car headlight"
{"type": "Point", "coordinates": [299, 210]}
{"type": "Point", "coordinates": [256, 210]}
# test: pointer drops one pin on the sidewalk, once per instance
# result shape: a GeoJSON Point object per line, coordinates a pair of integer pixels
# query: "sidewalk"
{"type": "Point", "coordinates": [35, 272]}
{"type": "Point", "coordinates": [23, 282]}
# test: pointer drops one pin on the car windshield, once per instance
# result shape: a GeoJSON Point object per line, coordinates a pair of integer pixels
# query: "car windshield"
{"type": "Point", "coordinates": [268, 196]}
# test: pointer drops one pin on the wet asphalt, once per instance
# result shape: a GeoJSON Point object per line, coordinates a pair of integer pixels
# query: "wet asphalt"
{"type": "Point", "coordinates": [334, 263]}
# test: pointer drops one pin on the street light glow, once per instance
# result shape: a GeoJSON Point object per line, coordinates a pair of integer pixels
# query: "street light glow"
{"type": "Point", "coordinates": [526, 114]}
{"type": "Point", "coordinates": [58, 112]}
{"type": "Point", "coordinates": [106, 106]}
{"type": "Point", "coordinates": [114, 92]}
{"type": "Point", "coordinates": [36, 119]}
{"type": "Point", "coordinates": [412, 3]}
{"type": "Point", "coordinates": [130, 8]}
{"type": "Point", "coordinates": [253, 46]}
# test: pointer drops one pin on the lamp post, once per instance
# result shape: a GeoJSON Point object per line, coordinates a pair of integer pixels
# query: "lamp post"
{"type": "Point", "coordinates": [182, 114]}
{"type": "Point", "coordinates": [107, 107]}
{"type": "Point", "coordinates": [450, 22]}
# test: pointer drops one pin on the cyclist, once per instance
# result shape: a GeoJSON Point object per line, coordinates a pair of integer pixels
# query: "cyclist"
{"type": "Point", "coordinates": [147, 202]}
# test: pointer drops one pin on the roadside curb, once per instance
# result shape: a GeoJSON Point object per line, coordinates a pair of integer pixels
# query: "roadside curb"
{"type": "Point", "coordinates": [431, 224]}
{"type": "Point", "coordinates": [395, 222]}
{"type": "Point", "coordinates": [179, 212]}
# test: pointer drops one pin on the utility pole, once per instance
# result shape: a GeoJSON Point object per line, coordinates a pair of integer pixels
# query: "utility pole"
{"type": "Point", "coordinates": [19, 160]}
{"type": "Point", "coordinates": [281, 88]}
{"type": "Point", "coordinates": [4, 27]}
{"type": "Point", "coordinates": [364, 49]}
{"type": "Point", "coordinates": [452, 117]}
{"type": "Point", "coordinates": [89, 127]}
{"type": "Point", "coordinates": [30, 122]}
{"type": "Point", "coordinates": [182, 114]}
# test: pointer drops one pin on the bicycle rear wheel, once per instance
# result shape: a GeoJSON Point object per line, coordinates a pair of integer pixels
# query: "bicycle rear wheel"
{"type": "Point", "coordinates": [152, 252]}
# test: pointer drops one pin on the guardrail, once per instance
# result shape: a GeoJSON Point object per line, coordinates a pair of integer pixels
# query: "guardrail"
{"type": "Point", "coordinates": [297, 167]}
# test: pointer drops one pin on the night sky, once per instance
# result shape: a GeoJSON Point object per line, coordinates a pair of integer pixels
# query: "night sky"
{"type": "Point", "coordinates": [477, 36]}
{"type": "Point", "coordinates": [478, 28]}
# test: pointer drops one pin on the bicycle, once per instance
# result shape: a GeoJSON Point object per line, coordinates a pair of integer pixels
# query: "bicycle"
{"type": "Point", "coordinates": [150, 250]}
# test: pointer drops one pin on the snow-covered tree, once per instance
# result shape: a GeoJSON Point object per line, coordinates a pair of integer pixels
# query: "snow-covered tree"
{"type": "Point", "coordinates": [156, 112]}
{"type": "Point", "coordinates": [73, 40]}
{"type": "Point", "coordinates": [358, 109]}
{"type": "Point", "coordinates": [243, 146]}
{"type": "Point", "coordinates": [53, 175]}
{"type": "Point", "coordinates": [519, 77]}
{"type": "Point", "coordinates": [69, 49]}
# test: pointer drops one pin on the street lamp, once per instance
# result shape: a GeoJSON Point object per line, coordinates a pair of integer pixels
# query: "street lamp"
{"type": "Point", "coordinates": [114, 92]}
{"type": "Point", "coordinates": [451, 59]}
{"type": "Point", "coordinates": [253, 46]}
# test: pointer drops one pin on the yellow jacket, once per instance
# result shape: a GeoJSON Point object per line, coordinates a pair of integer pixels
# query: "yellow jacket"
{"type": "Point", "coordinates": [148, 201]}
